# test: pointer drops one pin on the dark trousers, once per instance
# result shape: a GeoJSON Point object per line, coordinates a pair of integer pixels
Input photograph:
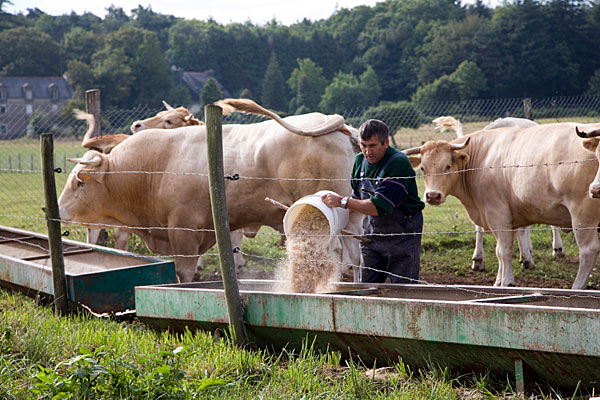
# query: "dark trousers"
{"type": "Point", "coordinates": [396, 257]}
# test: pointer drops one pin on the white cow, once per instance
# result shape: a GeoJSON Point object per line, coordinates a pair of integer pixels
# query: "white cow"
{"type": "Point", "coordinates": [523, 234]}
{"type": "Point", "coordinates": [175, 207]}
{"type": "Point", "coordinates": [502, 199]}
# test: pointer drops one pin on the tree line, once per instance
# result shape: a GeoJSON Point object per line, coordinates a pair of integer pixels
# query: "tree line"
{"type": "Point", "coordinates": [396, 51]}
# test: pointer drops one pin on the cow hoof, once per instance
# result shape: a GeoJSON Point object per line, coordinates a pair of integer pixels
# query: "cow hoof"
{"type": "Point", "coordinates": [528, 264]}
{"type": "Point", "coordinates": [478, 265]}
{"type": "Point", "coordinates": [558, 253]}
{"type": "Point", "coordinates": [510, 285]}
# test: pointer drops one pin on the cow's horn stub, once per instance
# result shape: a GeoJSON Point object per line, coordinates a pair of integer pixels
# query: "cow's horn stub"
{"type": "Point", "coordinates": [167, 106]}
{"type": "Point", "coordinates": [584, 135]}
{"type": "Point", "coordinates": [460, 146]}
{"type": "Point", "coordinates": [75, 160]}
{"type": "Point", "coordinates": [412, 150]}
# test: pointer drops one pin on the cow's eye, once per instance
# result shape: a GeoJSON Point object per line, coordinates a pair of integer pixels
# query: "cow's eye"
{"type": "Point", "coordinates": [168, 122]}
{"type": "Point", "coordinates": [423, 169]}
{"type": "Point", "coordinates": [448, 167]}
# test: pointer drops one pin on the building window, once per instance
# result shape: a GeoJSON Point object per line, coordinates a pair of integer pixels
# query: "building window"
{"type": "Point", "coordinates": [28, 109]}
{"type": "Point", "coordinates": [3, 129]}
{"type": "Point", "coordinates": [2, 109]}
{"type": "Point", "coordinates": [3, 94]}
{"type": "Point", "coordinates": [53, 91]}
{"type": "Point", "coordinates": [28, 91]}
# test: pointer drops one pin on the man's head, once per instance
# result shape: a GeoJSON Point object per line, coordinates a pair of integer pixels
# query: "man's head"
{"type": "Point", "coordinates": [374, 140]}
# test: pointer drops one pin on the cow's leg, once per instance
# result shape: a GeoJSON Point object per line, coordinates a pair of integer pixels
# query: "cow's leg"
{"type": "Point", "coordinates": [236, 241]}
{"type": "Point", "coordinates": [525, 247]}
{"type": "Point", "coordinates": [93, 235]}
{"type": "Point", "coordinates": [478, 263]}
{"type": "Point", "coordinates": [121, 238]}
{"type": "Point", "coordinates": [589, 246]}
{"type": "Point", "coordinates": [557, 244]}
{"type": "Point", "coordinates": [186, 246]}
{"type": "Point", "coordinates": [504, 252]}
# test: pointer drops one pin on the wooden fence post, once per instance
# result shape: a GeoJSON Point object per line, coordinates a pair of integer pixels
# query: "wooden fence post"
{"type": "Point", "coordinates": [527, 109]}
{"type": "Point", "coordinates": [59, 280]}
{"type": "Point", "coordinates": [218, 202]}
{"type": "Point", "coordinates": [92, 106]}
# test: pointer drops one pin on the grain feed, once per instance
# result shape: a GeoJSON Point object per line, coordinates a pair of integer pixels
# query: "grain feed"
{"type": "Point", "coordinates": [308, 266]}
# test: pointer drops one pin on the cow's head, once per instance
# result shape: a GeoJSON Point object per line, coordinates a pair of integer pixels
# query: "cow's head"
{"type": "Point", "coordinates": [590, 142]}
{"type": "Point", "coordinates": [439, 161]}
{"type": "Point", "coordinates": [169, 119]}
{"type": "Point", "coordinates": [82, 196]}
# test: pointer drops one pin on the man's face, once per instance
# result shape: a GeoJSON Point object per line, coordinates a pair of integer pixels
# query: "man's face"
{"type": "Point", "coordinates": [373, 149]}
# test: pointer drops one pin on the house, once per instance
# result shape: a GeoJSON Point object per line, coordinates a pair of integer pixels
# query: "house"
{"type": "Point", "coordinates": [195, 81]}
{"type": "Point", "coordinates": [21, 96]}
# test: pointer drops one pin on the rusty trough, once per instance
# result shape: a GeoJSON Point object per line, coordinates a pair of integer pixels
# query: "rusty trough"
{"type": "Point", "coordinates": [537, 336]}
{"type": "Point", "coordinates": [99, 278]}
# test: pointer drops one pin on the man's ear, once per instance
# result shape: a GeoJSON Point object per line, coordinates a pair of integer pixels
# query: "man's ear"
{"type": "Point", "coordinates": [415, 161]}
{"type": "Point", "coordinates": [590, 144]}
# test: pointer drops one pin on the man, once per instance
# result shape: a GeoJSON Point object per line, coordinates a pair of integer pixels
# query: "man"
{"type": "Point", "coordinates": [385, 190]}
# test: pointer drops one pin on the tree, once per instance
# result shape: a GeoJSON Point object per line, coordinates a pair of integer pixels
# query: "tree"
{"type": "Point", "coordinates": [308, 83]}
{"type": "Point", "coordinates": [210, 92]}
{"type": "Point", "coordinates": [28, 52]}
{"type": "Point", "coordinates": [465, 83]}
{"type": "Point", "coordinates": [273, 88]}
{"type": "Point", "coordinates": [143, 67]}
{"type": "Point", "coordinates": [346, 92]}
{"type": "Point", "coordinates": [79, 44]}
{"type": "Point", "coordinates": [81, 76]}
{"type": "Point", "coordinates": [594, 84]}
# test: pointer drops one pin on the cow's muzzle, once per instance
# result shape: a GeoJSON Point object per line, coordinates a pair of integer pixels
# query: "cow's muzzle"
{"type": "Point", "coordinates": [434, 197]}
{"type": "Point", "coordinates": [594, 190]}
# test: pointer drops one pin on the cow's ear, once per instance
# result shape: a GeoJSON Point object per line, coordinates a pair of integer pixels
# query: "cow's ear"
{"type": "Point", "coordinates": [415, 161]}
{"type": "Point", "coordinates": [590, 144]}
{"type": "Point", "coordinates": [462, 158]}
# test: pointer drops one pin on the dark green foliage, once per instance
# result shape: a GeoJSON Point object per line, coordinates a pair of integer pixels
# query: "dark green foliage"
{"type": "Point", "coordinates": [21, 46]}
{"type": "Point", "coordinates": [525, 48]}
{"type": "Point", "coordinates": [273, 88]}
{"type": "Point", "coordinates": [395, 115]}
{"type": "Point", "coordinates": [346, 91]}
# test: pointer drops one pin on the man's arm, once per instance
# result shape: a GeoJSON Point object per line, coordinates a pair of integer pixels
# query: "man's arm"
{"type": "Point", "coordinates": [362, 206]}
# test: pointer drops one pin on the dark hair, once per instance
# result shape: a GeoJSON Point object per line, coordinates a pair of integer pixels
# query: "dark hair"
{"type": "Point", "coordinates": [374, 127]}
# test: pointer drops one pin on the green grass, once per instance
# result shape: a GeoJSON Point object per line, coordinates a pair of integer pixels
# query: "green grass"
{"type": "Point", "coordinates": [43, 356]}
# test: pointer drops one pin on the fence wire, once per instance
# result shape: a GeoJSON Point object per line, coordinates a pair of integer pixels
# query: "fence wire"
{"type": "Point", "coordinates": [21, 188]}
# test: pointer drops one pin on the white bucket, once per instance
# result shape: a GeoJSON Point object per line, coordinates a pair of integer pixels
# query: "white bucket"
{"type": "Point", "coordinates": [337, 216]}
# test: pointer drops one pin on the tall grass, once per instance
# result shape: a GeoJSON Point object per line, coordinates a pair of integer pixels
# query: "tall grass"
{"type": "Point", "coordinates": [43, 356]}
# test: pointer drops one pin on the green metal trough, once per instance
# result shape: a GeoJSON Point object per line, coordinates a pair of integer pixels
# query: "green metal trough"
{"type": "Point", "coordinates": [99, 278]}
{"type": "Point", "coordinates": [543, 336]}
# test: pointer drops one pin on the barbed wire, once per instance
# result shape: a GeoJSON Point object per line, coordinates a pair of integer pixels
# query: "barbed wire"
{"type": "Point", "coordinates": [490, 167]}
{"type": "Point", "coordinates": [340, 235]}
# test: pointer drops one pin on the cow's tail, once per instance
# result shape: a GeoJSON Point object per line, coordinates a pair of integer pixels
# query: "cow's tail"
{"type": "Point", "coordinates": [448, 122]}
{"type": "Point", "coordinates": [332, 123]}
{"type": "Point", "coordinates": [82, 115]}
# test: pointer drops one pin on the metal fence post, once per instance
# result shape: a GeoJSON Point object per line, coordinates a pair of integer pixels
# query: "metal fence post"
{"type": "Point", "coordinates": [216, 176]}
{"type": "Point", "coordinates": [59, 280]}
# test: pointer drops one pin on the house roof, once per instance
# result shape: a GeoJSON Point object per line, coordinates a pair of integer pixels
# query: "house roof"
{"type": "Point", "coordinates": [39, 84]}
{"type": "Point", "coordinates": [195, 81]}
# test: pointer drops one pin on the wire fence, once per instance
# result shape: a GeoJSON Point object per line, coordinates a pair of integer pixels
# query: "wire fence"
{"type": "Point", "coordinates": [21, 188]}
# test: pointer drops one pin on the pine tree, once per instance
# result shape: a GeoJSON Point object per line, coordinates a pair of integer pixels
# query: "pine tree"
{"type": "Point", "coordinates": [273, 88]}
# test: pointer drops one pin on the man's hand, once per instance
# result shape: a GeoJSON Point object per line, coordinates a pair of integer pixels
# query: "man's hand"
{"type": "Point", "coordinates": [332, 200]}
